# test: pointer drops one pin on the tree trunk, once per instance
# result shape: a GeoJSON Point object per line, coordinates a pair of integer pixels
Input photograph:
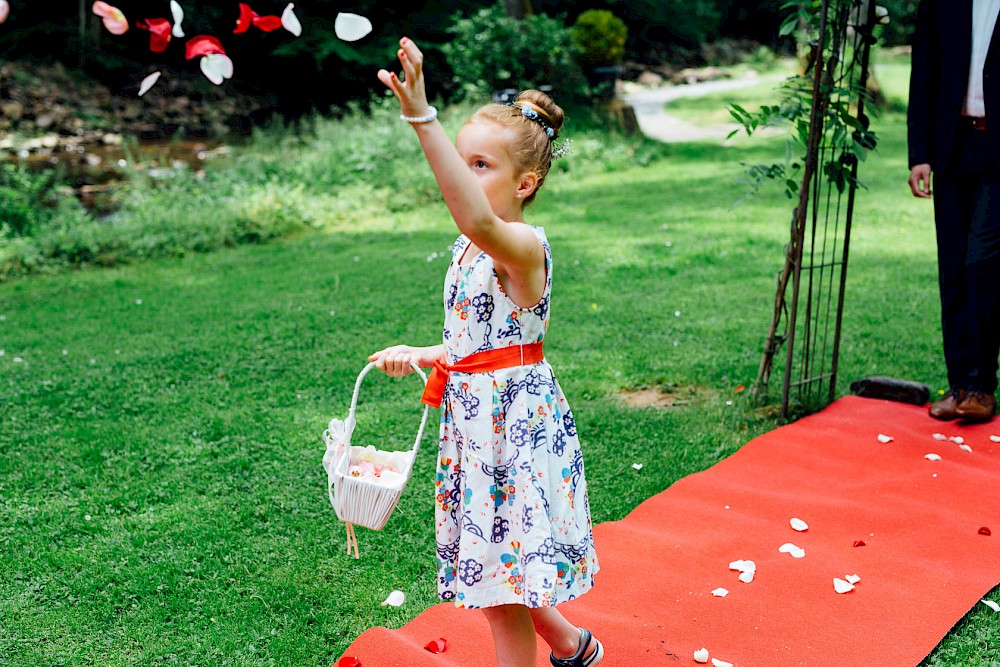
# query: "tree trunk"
{"type": "Point", "coordinates": [518, 8]}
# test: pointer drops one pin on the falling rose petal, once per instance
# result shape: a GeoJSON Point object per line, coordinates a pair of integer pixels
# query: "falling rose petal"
{"type": "Point", "coordinates": [178, 13]}
{"type": "Point", "coordinates": [747, 577]}
{"type": "Point", "coordinates": [957, 439]}
{"type": "Point", "coordinates": [965, 448]}
{"type": "Point", "coordinates": [701, 655]}
{"type": "Point", "coordinates": [395, 599]}
{"type": "Point", "coordinates": [991, 604]}
{"type": "Point", "coordinates": [637, 466]}
{"type": "Point", "coordinates": [202, 45]}
{"type": "Point", "coordinates": [932, 457]}
{"type": "Point", "coordinates": [159, 34]}
{"type": "Point", "coordinates": [859, 543]}
{"type": "Point", "coordinates": [995, 438]}
{"type": "Point", "coordinates": [290, 21]}
{"type": "Point", "coordinates": [842, 586]}
{"type": "Point", "coordinates": [245, 20]}
{"type": "Point", "coordinates": [348, 661]}
{"type": "Point", "coordinates": [217, 67]}
{"type": "Point", "coordinates": [799, 525]}
{"type": "Point", "coordinates": [113, 18]}
{"type": "Point", "coordinates": [939, 436]}
{"type": "Point", "coordinates": [720, 592]}
{"type": "Point", "coordinates": [985, 531]}
{"type": "Point", "coordinates": [4, 10]}
{"type": "Point", "coordinates": [148, 83]}
{"type": "Point", "coordinates": [721, 663]}
{"type": "Point", "coordinates": [351, 27]}
{"type": "Point", "coordinates": [436, 645]}
{"type": "Point", "coordinates": [267, 23]}
{"type": "Point", "coordinates": [883, 438]}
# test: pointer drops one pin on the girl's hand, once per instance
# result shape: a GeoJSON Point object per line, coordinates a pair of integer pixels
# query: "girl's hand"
{"type": "Point", "coordinates": [398, 360]}
{"type": "Point", "coordinates": [410, 89]}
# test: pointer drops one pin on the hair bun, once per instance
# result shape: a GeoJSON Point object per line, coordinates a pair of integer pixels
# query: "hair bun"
{"type": "Point", "coordinates": [550, 112]}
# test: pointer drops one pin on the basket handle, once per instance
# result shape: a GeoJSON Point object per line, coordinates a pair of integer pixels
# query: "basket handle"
{"type": "Point", "coordinates": [350, 422]}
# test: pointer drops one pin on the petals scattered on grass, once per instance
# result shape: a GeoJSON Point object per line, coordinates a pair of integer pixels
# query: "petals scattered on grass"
{"type": "Point", "coordinates": [637, 466]}
{"type": "Point", "coordinates": [701, 655]}
{"type": "Point", "coordinates": [991, 604]}
{"type": "Point", "coordinates": [883, 438]}
{"type": "Point", "coordinates": [351, 27]}
{"type": "Point", "coordinates": [799, 525]}
{"type": "Point", "coordinates": [436, 645]}
{"type": "Point", "coordinates": [720, 592]}
{"type": "Point", "coordinates": [842, 586]}
{"type": "Point", "coordinates": [395, 599]}
{"type": "Point", "coordinates": [932, 457]}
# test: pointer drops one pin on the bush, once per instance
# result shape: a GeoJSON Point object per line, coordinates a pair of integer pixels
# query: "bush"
{"type": "Point", "coordinates": [29, 200]}
{"type": "Point", "coordinates": [599, 36]}
{"type": "Point", "coordinates": [492, 51]}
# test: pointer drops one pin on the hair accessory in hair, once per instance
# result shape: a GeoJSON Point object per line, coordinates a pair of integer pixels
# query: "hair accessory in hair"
{"type": "Point", "coordinates": [562, 148]}
{"type": "Point", "coordinates": [531, 114]}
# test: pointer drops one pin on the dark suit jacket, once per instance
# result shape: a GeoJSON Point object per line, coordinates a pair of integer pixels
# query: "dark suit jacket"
{"type": "Point", "coordinates": [942, 53]}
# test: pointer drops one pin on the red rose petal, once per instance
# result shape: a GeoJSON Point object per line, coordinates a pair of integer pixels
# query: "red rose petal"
{"type": "Point", "coordinates": [436, 645]}
{"type": "Point", "coordinates": [159, 33]}
{"type": "Point", "coordinates": [348, 661]}
{"type": "Point", "coordinates": [267, 23]}
{"type": "Point", "coordinates": [202, 45]}
{"type": "Point", "coordinates": [859, 543]}
{"type": "Point", "coordinates": [245, 20]}
{"type": "Point", "coordinates": [985, 531]}
{"type": "Point", "coordinates": [739, 389]}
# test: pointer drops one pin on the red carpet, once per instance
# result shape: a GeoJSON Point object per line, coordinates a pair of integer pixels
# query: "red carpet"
{"type": "Point", "coordinates": [923, 564]}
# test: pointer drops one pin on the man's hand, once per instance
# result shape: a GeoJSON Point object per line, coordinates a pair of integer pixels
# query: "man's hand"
{"type": "Point", "coordinates": [920, 181]}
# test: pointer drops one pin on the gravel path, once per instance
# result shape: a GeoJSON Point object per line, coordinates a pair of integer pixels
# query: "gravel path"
{"type": "Point", "coordinates": [655, 122]}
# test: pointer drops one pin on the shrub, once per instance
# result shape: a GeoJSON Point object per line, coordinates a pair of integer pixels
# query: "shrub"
{"type": "Point", "coordinates": [492, 51]}
{"type": "Point", "coordinates": [599, 37]}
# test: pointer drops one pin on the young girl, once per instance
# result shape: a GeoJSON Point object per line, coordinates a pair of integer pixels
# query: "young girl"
{"type": "Point", "coordinates": [512, 516]}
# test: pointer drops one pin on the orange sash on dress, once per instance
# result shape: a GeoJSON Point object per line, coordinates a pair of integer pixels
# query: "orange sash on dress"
{"type": "Point", "coordinates": [480, 362]}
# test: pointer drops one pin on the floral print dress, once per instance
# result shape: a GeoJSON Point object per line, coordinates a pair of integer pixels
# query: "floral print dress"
{"type": "Point", "coordinates": [512, 514]}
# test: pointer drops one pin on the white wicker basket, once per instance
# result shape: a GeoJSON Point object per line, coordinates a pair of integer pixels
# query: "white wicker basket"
{"type": "Point", "coordinates": [365, 500]}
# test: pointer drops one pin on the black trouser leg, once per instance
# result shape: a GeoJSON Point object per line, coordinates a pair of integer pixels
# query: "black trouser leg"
{"type": "Point", "coordinates": [983, 272]}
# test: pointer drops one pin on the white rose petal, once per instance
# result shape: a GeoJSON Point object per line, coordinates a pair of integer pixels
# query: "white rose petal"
{"type": "Point", "coordinates": [290, 21]}
{"type": "Point", "coordinates": [720, 592]}
{"type": "Point", "coordinates": [395, 599]}
{"type": "Point", "coordinates": [786, 548]}
{"type": "Point", "coordinates": [637, 466]}
{"type": "Point", "coordinates": [932, 457]}
{"type": "Point", "coordinates": [957, 439]}
{"type": "Point", "coordinates": [991, 604]}
{"type": "Point", "coordinates": [965, 448]}
{"type": "Point", "coordinates": [721, 663]}
{"type": "Point", "coordinates": [701, 655]}
{"type": "Point", "coordinates": [798, 553]}
{"type": "Point", "coordinates": [852, 578]}
{"type": "Point", "coordinates": [995, 438]}
{"type": "Point", "coordinates": [842, 586]}
{"type": "Point", "coordinates": [747, 577]}
{"type": "Point", "coordinates": [799, 525]}
{"type": "Point", "coordinates": [217, 67]}
{"type": "Point", "coordinates": [883, 438]}
{"type": "Point", "coordinates": [178, 14]}
{"type": "Point", "coordinates": [743, 566]}
{"type": "Point", "coordinates": [18, 360]}
{"type": "Point", "coordinates": [939, 436]}
{"type": "Point", "coordinates": [351, 27]}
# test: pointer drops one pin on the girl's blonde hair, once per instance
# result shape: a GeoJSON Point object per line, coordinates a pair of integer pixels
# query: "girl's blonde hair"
{"type": "Point", "coordinates": [532, 138]}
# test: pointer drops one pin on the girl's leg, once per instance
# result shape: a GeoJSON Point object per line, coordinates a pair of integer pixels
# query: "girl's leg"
{"type": "Point", "coordinates": [562, 636]}
{"type": "Point", "coordinates": [513, 635]}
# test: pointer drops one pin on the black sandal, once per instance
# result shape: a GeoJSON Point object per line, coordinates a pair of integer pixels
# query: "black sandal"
{"type": "Point", "coordinates": [577, 659]}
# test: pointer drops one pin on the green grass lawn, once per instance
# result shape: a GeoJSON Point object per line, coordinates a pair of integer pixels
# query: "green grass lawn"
{"type": "Point", "coordinates": [162, 500]}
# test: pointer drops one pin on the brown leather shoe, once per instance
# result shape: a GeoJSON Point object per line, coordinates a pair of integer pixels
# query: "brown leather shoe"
{"type": "Point", "coordinates": [977, 406]}
{"type": "Point", "coordinates": [947, 408]}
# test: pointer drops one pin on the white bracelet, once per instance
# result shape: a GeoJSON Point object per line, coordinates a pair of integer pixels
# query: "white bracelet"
{"type": "Point", "coordinates": [432, 113]}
